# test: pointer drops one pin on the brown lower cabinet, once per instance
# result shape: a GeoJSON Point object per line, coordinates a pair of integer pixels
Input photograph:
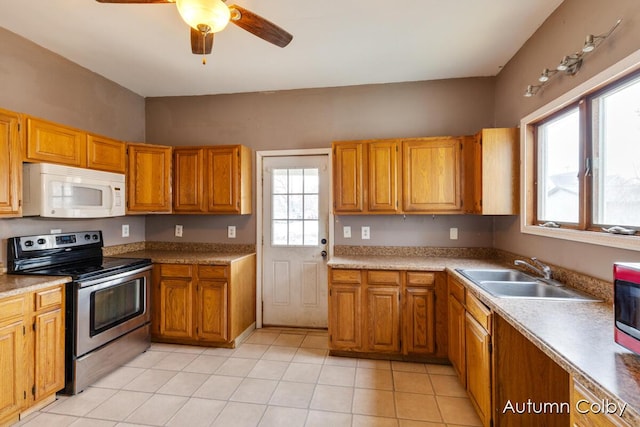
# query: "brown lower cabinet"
{"type": "Point", "coordinates": [582, 415]}
{"type": "Point", "coordinates": [500, 368]}
{"type": "Point", "coordinates": [203, 304]}
{"type": "Point", "coordinates": [391, 313]}
{"type": "Point", "coordinates": [31, 350]}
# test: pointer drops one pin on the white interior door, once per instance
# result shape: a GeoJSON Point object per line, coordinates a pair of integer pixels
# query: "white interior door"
{"type": "Point", "coordinates": [295, 232]}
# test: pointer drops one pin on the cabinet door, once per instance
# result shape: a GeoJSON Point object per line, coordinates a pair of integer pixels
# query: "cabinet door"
{"type": "Point", "coordinates": [348, 177]}
{"type": "Point", "coordinates": [10, 165]}
{"type": "Point", "coordinates": [456, 320]}
{"type": "Point", "coordinates": [106, 154]}
{"type": "Point", "coordinates": [176, 307]}
{"type": "Point", "coordinates": [383, 319]}
{"type": "Point", "coordinates": [149, 178]}
{"type": "Point", "coordinates": [345, 319]}
{"type": "Point", "coordinates": [54, 143]}
{"type": "Point", "coordinates": [49, 353]}
{"type": "Point", "coordinates": [383, 161]}
{"type": "Point", "coordinates": [12, 374]}
{"type": "Point", "coordinates": [419, 320]}
{"type": "Point", "coordinates": [432, 176]}
{"type": "Point", "coordinates": [212, 316]}
{"type": "Point", "coordinates": [478, 354]}
{"type": "Point", "coordinates": [188, 180]}
{"type": "Point", "coordinates": [223, 176]}
{"type": "Point", "coordinates": [500, 166]}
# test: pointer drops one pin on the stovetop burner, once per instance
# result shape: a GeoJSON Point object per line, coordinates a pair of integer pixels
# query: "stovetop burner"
{"type": "Point", "coordinates": [94, 268]}
{"type": "Point", "coordinates": [78, 255]}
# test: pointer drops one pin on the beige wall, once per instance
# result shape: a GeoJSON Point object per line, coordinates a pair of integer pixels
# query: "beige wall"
{"type": "Point", "coordinates": [38, 82]}
{"type": "Point", "coordinates": [312, 118]}
{"type": "Point", "coordinates": [562, 33]}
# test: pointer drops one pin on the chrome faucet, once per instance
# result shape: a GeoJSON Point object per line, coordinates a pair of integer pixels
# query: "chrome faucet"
{"type": "Point", "coordinates": [540, 268]}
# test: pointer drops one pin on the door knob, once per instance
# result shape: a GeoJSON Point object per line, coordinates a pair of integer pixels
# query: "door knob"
{"type": "Point", "coordinates": [324, 254]}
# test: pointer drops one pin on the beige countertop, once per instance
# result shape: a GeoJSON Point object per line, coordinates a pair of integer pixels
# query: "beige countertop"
{"type": "Point", "coordinates": [577, 335]}
{"type": "Point", "coordinates": [14, 284]}
{"type": "Point", "coordinates": [186, 256]}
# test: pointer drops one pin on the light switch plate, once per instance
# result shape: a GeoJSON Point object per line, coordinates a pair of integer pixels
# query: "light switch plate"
{"type": "Point", "coordinates": [453, 233]}
{"type": "Point", "coordinates": [178, 230]}
{"type": "Point", "coordinates": [125, 230]}
{"type": "Point", "coordinates": [231, 232]}
{"type": "Point", "coordinates": [366, 233]}
{"type": "Point", "coordinates": [346, 232]}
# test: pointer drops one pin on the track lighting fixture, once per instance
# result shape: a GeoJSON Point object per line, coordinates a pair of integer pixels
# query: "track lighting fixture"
{"type": "Point", "coordinates": [570, 64]}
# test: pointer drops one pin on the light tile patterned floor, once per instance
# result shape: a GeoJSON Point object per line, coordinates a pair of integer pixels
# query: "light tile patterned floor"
{"type": "Point", "coordinates": [277, 377]}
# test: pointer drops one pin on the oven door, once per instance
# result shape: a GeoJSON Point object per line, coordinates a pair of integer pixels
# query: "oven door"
{"type": "Point", "coordinates": [110, 307]}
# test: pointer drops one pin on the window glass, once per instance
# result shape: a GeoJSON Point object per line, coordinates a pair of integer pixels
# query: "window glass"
{"type": "Point", "coordinates": [294, 205]}
{"type": "Point", "coordinates": [616, 156]}
{"type": "Point", "coordinates": [558, 166]}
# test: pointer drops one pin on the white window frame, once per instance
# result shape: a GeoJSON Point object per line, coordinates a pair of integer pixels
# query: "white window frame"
{"type": "Point", "coordinates": [527, 153]}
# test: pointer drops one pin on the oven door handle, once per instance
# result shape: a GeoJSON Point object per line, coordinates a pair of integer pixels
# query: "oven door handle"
{"type": "Point", "coordinates": [111, 279]}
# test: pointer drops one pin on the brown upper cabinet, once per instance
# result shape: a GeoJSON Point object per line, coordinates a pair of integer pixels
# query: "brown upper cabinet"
{"type": "Point", "coordinates": [349, 164]}
{"type": "Point", "coordinates": [476, 174]}
{"type": "Point", "coordinates": [371, 177]}
{"type": "Point", "coordinates": [432, 175]}
{"type": "Point", "coordinates": [492, 174]}
{"type": "Point", "coordinates": [148, 179]}
{"type": "Point", "coordinates": [54, 143]}
{"type": "Point", "coordinates": [106, 154]}
{"type": "Point", "coordinates": [212, 179]}
{"type": "Point", "coordinates": [366, 176]}
{"type": "Point", "coordinates": [10, 165]}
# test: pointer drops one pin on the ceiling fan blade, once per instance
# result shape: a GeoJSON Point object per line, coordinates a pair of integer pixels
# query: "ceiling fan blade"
{"type": "Point", "coordinates": [136, 1]}
{"type": "Point", "coordinates": [201, 45]}
{"type": "Point", "coordinates": [259, 26]}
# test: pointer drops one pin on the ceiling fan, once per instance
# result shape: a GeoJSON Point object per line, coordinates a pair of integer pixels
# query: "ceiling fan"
{"type": "Point", "coordinates": [206, 17]}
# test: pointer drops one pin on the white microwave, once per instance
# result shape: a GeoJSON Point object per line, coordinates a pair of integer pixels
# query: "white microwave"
{"type": "Point", "coordinates": [57, 191]}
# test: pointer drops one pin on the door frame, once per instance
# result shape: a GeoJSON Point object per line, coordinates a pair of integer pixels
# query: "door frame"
{"type": "Point", "coordinates": [259, 211]}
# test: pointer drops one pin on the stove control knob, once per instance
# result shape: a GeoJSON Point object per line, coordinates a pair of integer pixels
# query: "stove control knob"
{"type": "Point", "coordinates": [28, 243]}
{"type": "Point", "coordinates": [41, 241]}
{"type": "Point", "coordinates": [95, 237]}
{"type": "Point", "coordinates": [87, 237]}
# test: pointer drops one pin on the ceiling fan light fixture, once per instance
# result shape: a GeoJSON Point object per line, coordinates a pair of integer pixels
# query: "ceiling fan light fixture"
{"type": "Point", "coordinates": [199, 14]}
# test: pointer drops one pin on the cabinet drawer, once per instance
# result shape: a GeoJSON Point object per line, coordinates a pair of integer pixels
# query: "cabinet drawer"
{"type": "Point", "coordinates": [457, 290]}
{"type": "Point", "coordinates": [346, 276]}
{"type": "Point", "coordinates": [418, 278]}
{"type": "Point", "coordinates": [377, 277]}
{"type": "Point", "coordinates": [479, 311]}
{"type": "Point", "coordinates": [12, 308]}
{"type": "Point", "coordinates": [48, 298]}
{"type": "Point", "coordinates": [212, 271]}
{"type": "Point", "coordinates": [176, 270]}
{"type": "Point", "coordinates": [589, 418]}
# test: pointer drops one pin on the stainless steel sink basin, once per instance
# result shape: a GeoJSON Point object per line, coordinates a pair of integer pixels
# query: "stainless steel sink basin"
{"type": "Point", "coordinates": [496, 275]}
{"type": "Point", "coordinates": [507, 283]}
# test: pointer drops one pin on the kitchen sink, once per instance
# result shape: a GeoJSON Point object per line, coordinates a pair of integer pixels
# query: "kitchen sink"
{"type": "Point", "coordinates": [509, 283]}
{"type": "Point", "coordinates": [496, 275]}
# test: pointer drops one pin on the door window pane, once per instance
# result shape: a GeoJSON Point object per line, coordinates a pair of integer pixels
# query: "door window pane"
{"type": "Point", "coordinates": [558, 166]}
{"type": "Point", "coordinates": [294, 206]}
{"type": "Point", "coordinates": [616, 156]}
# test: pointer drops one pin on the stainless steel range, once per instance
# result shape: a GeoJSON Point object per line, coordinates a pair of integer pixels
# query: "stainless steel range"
{"type": "Point", "coordinates": [107, 303]}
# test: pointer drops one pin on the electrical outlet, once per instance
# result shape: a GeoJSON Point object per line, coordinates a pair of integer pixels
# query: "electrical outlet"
{"type": "Point", "coordinates": [178, 230]}
{"type": "Point", "coordinates": [453, 233]}
{"type": "Point", "coordinates": [346, 232]}
{"type": "Point", "coordinates": [231, 232]}
{"type": "Point", "coordinates": [125, 230]}
{"type": "Point", "coordinates": [366, 233]}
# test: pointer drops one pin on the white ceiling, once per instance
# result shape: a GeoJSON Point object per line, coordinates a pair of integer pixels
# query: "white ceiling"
{"type": "Point", "coordinates": [146, 48]}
